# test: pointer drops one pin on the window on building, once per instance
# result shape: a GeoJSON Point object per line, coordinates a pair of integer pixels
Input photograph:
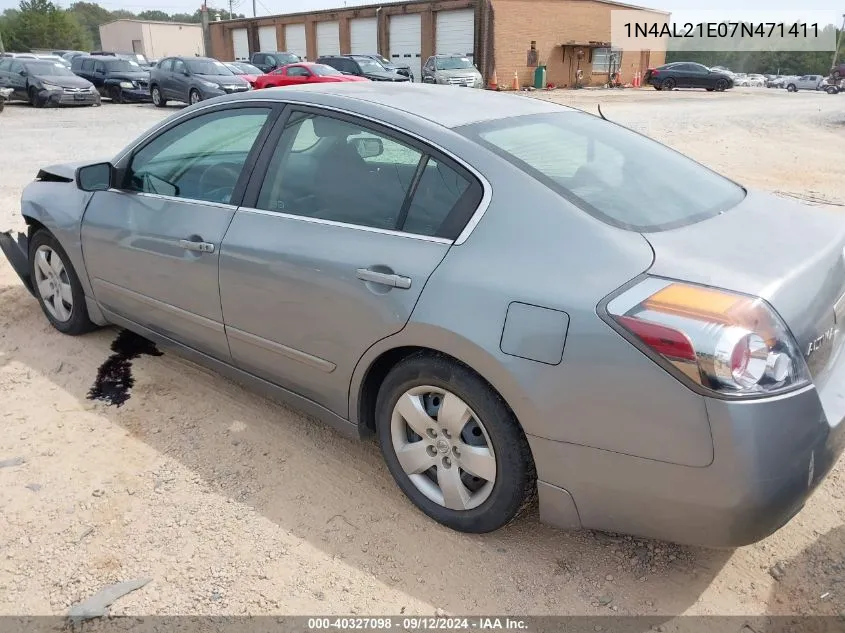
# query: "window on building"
{"type": "Point", "coordinates": [606, 59]}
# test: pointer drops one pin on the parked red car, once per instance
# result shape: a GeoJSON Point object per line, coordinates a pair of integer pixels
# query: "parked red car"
{"type": "Point", "coordinates": [303, 73]}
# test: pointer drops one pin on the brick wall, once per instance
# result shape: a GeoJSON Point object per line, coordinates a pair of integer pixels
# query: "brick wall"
{"type": "Point", "coordinates": [550, 23]}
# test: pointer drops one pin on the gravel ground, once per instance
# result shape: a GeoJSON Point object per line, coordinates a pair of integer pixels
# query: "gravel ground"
{"type": "Point", "coordinates": [233, 504]}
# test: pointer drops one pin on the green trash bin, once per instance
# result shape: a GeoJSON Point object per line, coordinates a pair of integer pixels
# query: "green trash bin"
{"type": "Point", "coordinates": [540, 77]}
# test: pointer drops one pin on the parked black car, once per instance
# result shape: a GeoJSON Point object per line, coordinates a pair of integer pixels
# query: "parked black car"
{"type": "Point", "coordinates": [192, 79]}
{"type": "Point", "coordinates": [267, 62]}
{"type": "Point", "coordinates": [45, 83]}
{"type": "Point", "coordinates": [361, 65]}
{"type": "Point", "coordinates": [402, 69]}
{"type": "Point", "coordinates": [687, 75]}
{"type": "Point", "coordinates": [118, 79]}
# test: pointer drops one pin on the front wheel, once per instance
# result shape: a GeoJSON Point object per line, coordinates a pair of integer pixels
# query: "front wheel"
{"type": "Point", "coordinates": [158, 99]}
{"type": "Point", "coordinates": [33, 97]}
{"type": "Point", "coordinates": [721, 85]}
{"type": "Point", "coordinates": [792, 88]}
{"type": "Point", "coordinates": [194, 97]}
{"type": "Point", "coordinates": [453, 446]}
{"type": "Point", "coordinates": [57, 286]}
{"type": "Point", "coordinates": [116, 94]}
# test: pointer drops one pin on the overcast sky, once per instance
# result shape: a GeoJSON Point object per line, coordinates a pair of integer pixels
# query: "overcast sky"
{"type": "Point", "coordinates": [682, 10]}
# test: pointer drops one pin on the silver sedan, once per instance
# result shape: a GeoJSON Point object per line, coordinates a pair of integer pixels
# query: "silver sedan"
{"type": "Point", "coordinates": [516, 298]}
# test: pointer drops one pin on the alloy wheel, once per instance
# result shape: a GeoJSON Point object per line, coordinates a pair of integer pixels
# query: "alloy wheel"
{"type": "Point", "coordinates": [443, 448]}
{"type": "Point", "coordinates": [194, 97]}
{"type": "Point", "coordinates": [53, 283]}
{"type": "Point", "coordinates": [156, 96]}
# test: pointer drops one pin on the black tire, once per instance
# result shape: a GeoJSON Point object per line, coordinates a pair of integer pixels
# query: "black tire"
{"type": "Point", "coordinates": [34, 101]}
{"type": "Point", "coordinates": [832, 90]}
{"type": "Point", "coordinates": [710, 89]}
{"type": "Point", "coordinates": [78, 323]}
{"type": "Point", "coordinates": [191, 96]}
{"type": "Point", "coordinates": [658, 87]}
{"type": "Point", "coordinates": [669, 84]}
{"type": "Point", "coordinates": [721, 85]}
{"type": "Point", "coordinates": [158, 99]}
{"type": "Point", "coordinates": [116, 94]}
{"type": "Point", "coordinates": [792, 88]}
{"type": "Point", "coordinates": [515, 486]}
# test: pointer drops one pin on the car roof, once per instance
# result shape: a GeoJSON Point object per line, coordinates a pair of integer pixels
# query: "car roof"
{"type": "Point", "coordinates": [449, 108]}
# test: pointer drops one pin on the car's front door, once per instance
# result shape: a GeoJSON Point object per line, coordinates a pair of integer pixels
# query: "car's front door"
{"type": "Point", "coordinates": [152, 245]}
{"type": "Point", "coordinates": [98, 77]}
{"type": "Point", "coordinates": [295, 75]}
{"type": "Point", "coordinates": [180, 81]}
{"type": "Point", "coordinates": [164, 76]}
{"type": "Point", "coordinates": [340, 229]}
{"type": "Point", "coordinates": [18, 80]}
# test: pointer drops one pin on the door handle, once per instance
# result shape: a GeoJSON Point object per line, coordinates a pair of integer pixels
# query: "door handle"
{"type": "Point", "coordinates": [385, 279]}
{"type": "Point", "coordinates": [198, 247]}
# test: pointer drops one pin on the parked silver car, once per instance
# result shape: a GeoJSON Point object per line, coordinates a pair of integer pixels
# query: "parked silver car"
{"type": "Point", "coordinates": [804, 82]}
{"type": "Point", "coordinates": [515, 297]}
{"type": "Point", "coordinates": [452, 70]}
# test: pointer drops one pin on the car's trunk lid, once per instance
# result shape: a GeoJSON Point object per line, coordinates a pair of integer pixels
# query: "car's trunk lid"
{"type": "Point", "coordinates": [788, 253]}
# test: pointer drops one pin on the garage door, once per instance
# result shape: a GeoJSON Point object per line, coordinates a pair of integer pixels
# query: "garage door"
{"type": "Point", "coordinates": [455, 32]}
{"type": "Point", "coordinates": [295, 39]}
{"type": "Point", "coordinates": [328, 40]}
{"type": "Point", "coordinates": [267, 39]}
{"type": "Point", "coordinates": [363, 36]}
{"type": "Point", "coordinates": [405, 42]}
{"type": "Point", "coordinates": [240, 44]}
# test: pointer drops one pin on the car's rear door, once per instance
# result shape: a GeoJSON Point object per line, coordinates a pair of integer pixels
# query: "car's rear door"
{"type": "Point", "coordinates": [152, 244]}
{"type": "Point", "coordinates": [332, 247]}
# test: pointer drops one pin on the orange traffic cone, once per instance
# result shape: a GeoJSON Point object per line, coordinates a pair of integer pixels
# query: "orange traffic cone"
{"type": "Point", "coordinates": [494, 81]}
{"type": "Point", "coordinates": [515, 84]}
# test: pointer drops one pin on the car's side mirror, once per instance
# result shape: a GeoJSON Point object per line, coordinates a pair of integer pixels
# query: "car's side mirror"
{"type": "Point", "coordinates": [22, 73]}
{"type": "Point", "coordinates": [97, 177]}
{"type": "Point", "coordinates": [368, 146]}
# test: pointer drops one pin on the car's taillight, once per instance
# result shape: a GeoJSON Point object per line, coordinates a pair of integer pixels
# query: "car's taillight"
{"type": "Point", "coordinates": [724, 342]}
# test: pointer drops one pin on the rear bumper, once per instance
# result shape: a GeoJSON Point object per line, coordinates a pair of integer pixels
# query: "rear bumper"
{"type": "Point", "coordinates": [16, 250]}
{"type": "Point", "coordinates": [769, 457]}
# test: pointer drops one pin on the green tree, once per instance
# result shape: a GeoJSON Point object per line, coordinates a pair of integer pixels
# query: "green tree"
{"type": "Point", "coordinates": [41, 24]}
{"type": "Point", "coordinates": [91, 15]}
{"type": "Point", "coordinates": [155, 15]}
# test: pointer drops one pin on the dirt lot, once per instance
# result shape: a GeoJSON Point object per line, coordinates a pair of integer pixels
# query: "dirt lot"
{"type": "Point", "coordinates": [233, 504]}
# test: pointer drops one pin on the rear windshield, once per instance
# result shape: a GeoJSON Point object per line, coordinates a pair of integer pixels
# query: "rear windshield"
{"type": "Point", "coordinates": [619, 176]}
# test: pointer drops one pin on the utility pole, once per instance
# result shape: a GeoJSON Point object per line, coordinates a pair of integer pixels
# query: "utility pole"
{"type": "Point", "coordinates": [838, 42]}
{"type": "Point", "coordinates": [254, 13]}
{"type": "Point", "coordinates": [230, 8]}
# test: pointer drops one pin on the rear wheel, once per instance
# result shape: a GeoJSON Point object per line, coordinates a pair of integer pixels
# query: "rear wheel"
{"type": "Point", "coordinates": [158, 99]}
{"type": "Point", "coordinates": [669, 84]}
{"type": "Point", "coordinates": [453, 446]}
{"type": "Point", "coordinates": [792, 88]}
{"type": "Point", "coordinates": [116, 94]}
{"type": "Point", "coordinates": [194, 96]}
{"type": "Point", "coordinates": [57, 286]}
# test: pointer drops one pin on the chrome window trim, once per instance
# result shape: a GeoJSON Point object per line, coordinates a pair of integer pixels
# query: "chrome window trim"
{"type": "Point", "coordinates": [473, 221]}
{"type": "Point", "coordinates": [158, 196]}
{"type": "Point", "coordinates": [346, 225]}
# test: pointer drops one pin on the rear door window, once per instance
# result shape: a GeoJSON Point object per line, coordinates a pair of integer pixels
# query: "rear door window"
{"type": "Point", "coordinates": [613, 173]}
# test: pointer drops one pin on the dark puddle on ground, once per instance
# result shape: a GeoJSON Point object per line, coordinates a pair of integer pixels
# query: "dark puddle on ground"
{"type": "Point", "coordinates": [114, 377]}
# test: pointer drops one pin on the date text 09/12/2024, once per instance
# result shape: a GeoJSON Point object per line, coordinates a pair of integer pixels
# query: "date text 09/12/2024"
{"type": "Point", "coordinates": [416, 623]}
{"type": "Point", "coordinates": [722, 30]}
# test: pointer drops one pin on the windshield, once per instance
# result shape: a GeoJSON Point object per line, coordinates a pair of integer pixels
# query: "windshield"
{"type": "Point", "coordinates": [617, 175]}
{"type": "Point", "coordinates": [452, 63]}
{"type": "Point", "coordinates": [369, 65]}
{"type": "Point", "coordinates": [122, 66]}
{"type": "Point", "coordinates": [243, 69]}
{"type": "Point", "coordinates": [383, 60]}
{"type": "Point", "coordinates": [286, 58]}
{"type": "Point", "coordinates": [50, 69]}
{"type": "Point", "coordinates": [207, 67]}
{"type": "Point", "coordinates": [324, 71]}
